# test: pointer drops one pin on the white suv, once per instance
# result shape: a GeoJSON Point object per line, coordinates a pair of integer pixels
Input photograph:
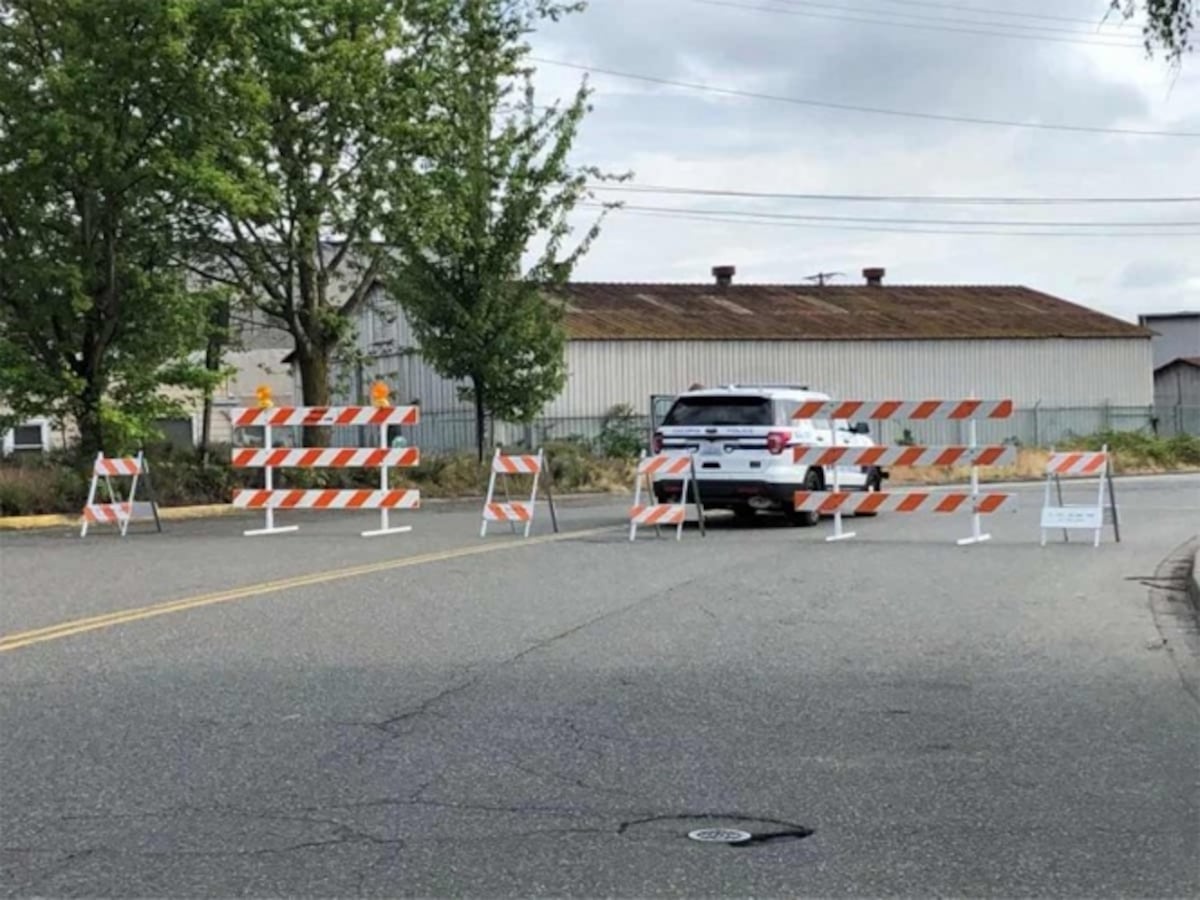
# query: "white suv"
{"type": "Point", "coordinates": [743, 436]}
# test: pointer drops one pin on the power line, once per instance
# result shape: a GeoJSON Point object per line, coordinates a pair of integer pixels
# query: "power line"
{"type": "Point", "coordinates": [995, 12]}
{"type": "Point", "coordinates": [1114, 40]}
{"type": "Point", "coordinates": [848, 107]}
{"type": "Point", "coordinates": [884, 198]}
{"type": "Point", "coordinates": [905, 220]}
{"type": "Point", "coordinates": [722, 220]}
{"type": "Point", "coordinates": [1129, 45]}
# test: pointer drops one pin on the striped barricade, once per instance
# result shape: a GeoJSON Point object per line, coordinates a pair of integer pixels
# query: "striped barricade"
{"type": "Point", "coordinates": [972, 455]}
{"type": "Point", "coordinates": [518, 511]}
{"type": "Point", "coordinates": [119, 510]}
{"type": "Point", "coordinates": [382, 457]}
{"type": "Point", "coordinates": [829, 502]}
{"type": "Point", "coordinates": [680, 465]}
{"type": "Point", "coordinates": [1085, 516]}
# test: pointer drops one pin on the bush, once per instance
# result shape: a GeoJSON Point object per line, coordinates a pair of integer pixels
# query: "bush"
{"type": "Point", "coordinates": [621, 433]}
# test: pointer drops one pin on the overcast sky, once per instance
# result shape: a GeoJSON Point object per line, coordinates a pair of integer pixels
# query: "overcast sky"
{"type": "Point", "coordinates": [678, 137]}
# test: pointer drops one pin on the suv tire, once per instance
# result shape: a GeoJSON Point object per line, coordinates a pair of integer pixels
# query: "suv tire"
{"type": "Point", "coordinates": [874, 484]}
{"type": "Point", "coordinates": [807, 519]}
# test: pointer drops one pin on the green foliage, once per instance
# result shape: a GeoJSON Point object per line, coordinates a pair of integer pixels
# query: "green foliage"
{"type": "Point", "coordinates": [1136, 449]}
{"type": "Point", "coordinates": [622, 433]}
{"type": "Point", "coordinates": [326, 115]}
{"type": "Point", "coordinates": [496, 182]}
{"type": "Point", "coordinates": [102, 112]}
{"type": "Point", "coordinates": [1167, 24]}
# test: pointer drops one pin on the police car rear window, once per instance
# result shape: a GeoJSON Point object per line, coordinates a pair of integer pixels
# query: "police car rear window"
{"type": "Point", "coordinates": [720, 411]}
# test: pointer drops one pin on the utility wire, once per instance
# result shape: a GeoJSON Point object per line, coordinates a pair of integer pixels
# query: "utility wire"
{"type": "Point", "coordinates": [1129, 45]}
{"type": "Point", "coordinates": [884, 198]}
{"type": "Point", "coordinates": [1023, 14]}
{"type": "Point", "coordinates": [848, 107]}
{"type": "Point", "coordinates": [904, 16]}
{"type": "Point", "coordinates": [727, 220]}
{"type": "Point", "coordinates": [904, 220]}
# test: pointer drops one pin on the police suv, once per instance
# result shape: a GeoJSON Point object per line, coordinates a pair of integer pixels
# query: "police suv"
{"type": "Point", "coordinates": [742, 437]}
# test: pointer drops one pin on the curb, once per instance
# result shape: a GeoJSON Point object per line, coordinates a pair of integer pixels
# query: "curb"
{"type": "Point", "coordinates": [216, 510]}
{"type": "Point", "coordinates": [166, 513]}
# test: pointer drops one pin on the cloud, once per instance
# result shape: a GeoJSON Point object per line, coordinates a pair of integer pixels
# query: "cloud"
{"type": "Point", "coordinates": [679, 137]}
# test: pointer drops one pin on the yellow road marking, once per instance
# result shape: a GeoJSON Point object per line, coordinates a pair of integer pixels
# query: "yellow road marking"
{"type": "Point", "coordinates": [20, 639]}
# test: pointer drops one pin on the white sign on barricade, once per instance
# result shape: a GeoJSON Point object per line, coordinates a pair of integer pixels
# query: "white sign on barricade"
{"type": "Point", "coordinates": [682, 465]}
{"type": "Point", "coordinates": [518, 511]}
{"type": "Point", "coordinates": [972, 454]}
{"type": "Point", "coordinates": [270, 498]}
{"type": "Point", "coordinates": [119, 511]}
{"type": "Point", "coordinates": [1081, 516]}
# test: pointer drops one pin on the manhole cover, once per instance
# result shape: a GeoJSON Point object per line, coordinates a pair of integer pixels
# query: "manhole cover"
{"type": "Point", "coordinates": [719, 835]}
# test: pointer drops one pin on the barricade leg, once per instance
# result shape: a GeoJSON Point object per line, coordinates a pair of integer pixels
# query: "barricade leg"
{"type": "Point", "coordinates": [268, 484]}
{"type": "Point", "coordinates": [637, 501]}
{"type": "Point", "coordinates": [977, 535]}
{"type": "Point", "coordinates": [487, 501]}
{"type": "Point", "coordinates": [533, 494]}
{"type": "Point", "coordinates": [838, 533]}
{"type": "Point", "coordinates": [91, 497]}
{"type": "Point", "coordinates": [385, 526]}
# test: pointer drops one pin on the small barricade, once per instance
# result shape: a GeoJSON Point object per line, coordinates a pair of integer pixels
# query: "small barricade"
{"type": "Point", "coordinates": [119, 510]}
{"type": "Point", "coordinates": [682, 465]}
{"type": "Point", "coordinates": [837, 502]}
{"type": "Point", "coordinates": [516, 512]}
{"type": "Point", "coordinates": [385, 499]}
{"type": "Point", "coordinates": [1083, 516]}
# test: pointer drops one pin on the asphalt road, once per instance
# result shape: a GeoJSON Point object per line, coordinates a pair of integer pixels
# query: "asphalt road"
{"type": "Point", "coordinates": [459, 717]}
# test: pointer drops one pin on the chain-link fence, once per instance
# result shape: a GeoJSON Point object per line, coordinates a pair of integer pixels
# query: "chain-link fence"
{"type": "Point", "coordinates": [1037, 426]}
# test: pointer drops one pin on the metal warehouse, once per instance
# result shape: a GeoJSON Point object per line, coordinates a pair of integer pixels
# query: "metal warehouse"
{"type": "Point", "coordinates": [873, 340]}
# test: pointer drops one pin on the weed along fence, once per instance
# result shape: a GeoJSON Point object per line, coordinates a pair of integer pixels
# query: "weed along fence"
{"type": "Point", "coordinates": [838, 501]}
{"type": "Point", "coordinates": [270, 498]}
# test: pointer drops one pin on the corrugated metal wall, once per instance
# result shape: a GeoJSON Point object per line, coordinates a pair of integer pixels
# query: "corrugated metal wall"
{"type": "Point", "coordinates": [1054, 372]}
{"type": "Point", "coordinates": [605, 373]}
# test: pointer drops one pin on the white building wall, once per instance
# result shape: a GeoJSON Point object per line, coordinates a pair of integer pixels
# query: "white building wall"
{"type": "Point", "coordinates": [1078, 372]}
{"type": "Point", "coordinates": [1174, 336]}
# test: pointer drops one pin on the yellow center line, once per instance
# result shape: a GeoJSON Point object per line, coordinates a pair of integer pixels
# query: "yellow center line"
{"type": "Point", "coordinates": [20, 639]}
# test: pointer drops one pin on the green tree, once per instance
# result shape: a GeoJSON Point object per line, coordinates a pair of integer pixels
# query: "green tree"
{"type": "Point", "coordinates": [102, 106]}
{"type": "Point", "coordinates": [1168, 23]}
{"type": "Point", "coordinates": [475, 288]}
{"type": "Point", "coordinates": [332, 110]}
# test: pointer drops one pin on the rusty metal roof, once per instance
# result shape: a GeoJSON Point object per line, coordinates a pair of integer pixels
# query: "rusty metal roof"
{"type": "Point", "coordinates": [778, 312]}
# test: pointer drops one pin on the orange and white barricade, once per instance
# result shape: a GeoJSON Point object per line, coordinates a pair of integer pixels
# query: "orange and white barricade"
{"type": "Point", "coordinates": [270, 498]}
{"type": "Point", "coordinates": [838, 502]}
{"type": "Point", "coordinates": [675, 465]}
{"type": "Point", "coordinates": [1085, 516]}
{"type": "Point", "coordinates": [119, 511]}
{"type": "Point", "coordinates": [519, 511]}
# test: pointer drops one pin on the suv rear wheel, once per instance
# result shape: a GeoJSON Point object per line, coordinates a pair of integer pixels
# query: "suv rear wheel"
{"type": "Point", "coordinates": [807, 519]}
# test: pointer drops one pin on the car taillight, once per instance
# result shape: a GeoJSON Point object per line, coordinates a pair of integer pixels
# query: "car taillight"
{"type": "Point", "coordinates": [777, 441]}
{"type": "Point", "coordinates": [656, 443]}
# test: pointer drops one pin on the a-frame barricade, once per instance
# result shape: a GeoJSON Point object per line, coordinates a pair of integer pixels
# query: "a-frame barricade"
{"type": "Point", "coordinates": [681, 465]}
{"type": "Point", "coordinates": [515, 512]}
{"type": "Point", "coordinates": [1083, 516]}
{"type": "Point", "coordinates": [120, 510]}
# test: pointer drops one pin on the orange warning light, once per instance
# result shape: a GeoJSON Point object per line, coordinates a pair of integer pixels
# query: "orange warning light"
{"type": "Point", "coordinates": [263, 393]}
{"type": "Point", "coordinates": [379, 394]}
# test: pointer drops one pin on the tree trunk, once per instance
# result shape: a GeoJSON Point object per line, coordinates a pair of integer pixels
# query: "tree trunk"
{"type": "Point", "coordinates": [219, 325]}
{"type": "Point", "coordinates": [480, 415]}
{"type": "Point", "coordinates": [89, 422]}
{"type": "Point", "coordinates": [314, 388]}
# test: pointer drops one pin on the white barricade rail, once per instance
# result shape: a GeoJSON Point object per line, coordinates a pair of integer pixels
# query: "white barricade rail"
{"type": "Point", "coordinates": [512, 511]}
{"type": "Point", "coordinates": [858, 502]}
{"type": "Point", "coordinates": [119, 511]}
{"type": "Point", "coordinates": [1084, 516]}
{"type": "Point", "coordinates": [971, 455]}
{"type": "Point", "coordinates": [658, 514]}
{"type": "Point", "coordinates": [270, 498]}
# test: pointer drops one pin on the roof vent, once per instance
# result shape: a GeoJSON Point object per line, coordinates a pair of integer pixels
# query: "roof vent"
{"type": "Point", "coordinates": [874, 277]}
{"type": "Point", "coordinates": [724, 275]}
